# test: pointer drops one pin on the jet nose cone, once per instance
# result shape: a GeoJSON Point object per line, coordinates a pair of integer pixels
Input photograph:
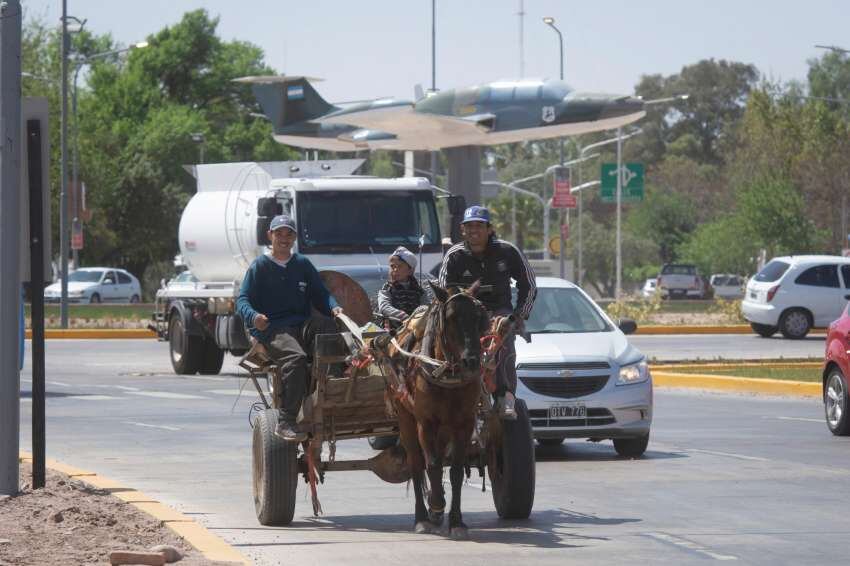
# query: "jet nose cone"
{"type": "Point", "coordinates": [588, 106]}
{"type": "Point", "coordinates": [621, 106]}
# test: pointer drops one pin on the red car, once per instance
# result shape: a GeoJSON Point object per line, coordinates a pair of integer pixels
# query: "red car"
{"type": "Point", "coordinates": [836, 374]}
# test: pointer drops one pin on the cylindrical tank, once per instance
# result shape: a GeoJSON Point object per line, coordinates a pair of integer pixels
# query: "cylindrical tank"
{"type": "Point", "coordinates": [218, 237]}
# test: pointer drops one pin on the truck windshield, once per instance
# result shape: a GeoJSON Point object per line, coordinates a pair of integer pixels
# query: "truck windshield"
{"type": "Point", "coordinates": [366, 221]}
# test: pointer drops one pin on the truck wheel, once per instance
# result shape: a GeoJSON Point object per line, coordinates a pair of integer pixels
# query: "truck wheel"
{"type": "Point", "coordinates": [764, 330]}
{"type": "Point", "coordinates": [275, 472]}
{"type": "Point", "coordinates": [212, 358]}
{"type": "Point", "coordinates": [511, 467]}
{"type": "Point", "coordinates": [631, 447]}
{"type": "Point", "coordinates": [185, 349]}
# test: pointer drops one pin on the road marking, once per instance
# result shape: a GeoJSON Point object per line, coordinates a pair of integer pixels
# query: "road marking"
{"type": "Point", "coordinates": [125, 388]}
{"type": "Point", "coordinates": [819, 421]}
{"type": "Point", "coordinates": [163, 427]}
{"type": "Point", "coordinates": [166, 395]}
{"type": "Point", "coordinates": [727, 454]}
{"type": "Point", "coordinates": [59, 383]}
{"type": "Point", "coordinates": [92, 397]}
{"type": "Point", "coordinates": [689, 545]}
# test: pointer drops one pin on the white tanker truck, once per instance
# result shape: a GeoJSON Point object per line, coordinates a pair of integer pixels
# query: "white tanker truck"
{"type": "Point", "coordinates": [343, 221]}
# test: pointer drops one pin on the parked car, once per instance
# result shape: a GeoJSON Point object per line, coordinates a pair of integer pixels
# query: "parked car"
{"type": "Point", "coordinates": [579, 375]}
{"type": "Point", "coordinates": [649, 287]}
{"type": "Point", "coordinates": [727, 286]}
{"type": "Point", "coordinates": [793, 294]}
{"type": "Point", "coordinates": [836, 372]}
{"type": "Point", "coordinates": [681, 281]}
{"type": "Point", "coordinates": [96, 285]}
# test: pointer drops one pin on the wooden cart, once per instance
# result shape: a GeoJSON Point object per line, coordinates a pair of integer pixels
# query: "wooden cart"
{"type": "Point", "coordinates": [348, 402]}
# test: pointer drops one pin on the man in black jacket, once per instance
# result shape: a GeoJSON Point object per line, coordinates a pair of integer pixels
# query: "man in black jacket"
{"type": "Point", "coordinates": [481, 256]}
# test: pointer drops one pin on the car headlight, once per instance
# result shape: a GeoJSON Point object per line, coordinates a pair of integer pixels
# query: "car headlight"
{"type": "Point", "coordinates": [633, 373]}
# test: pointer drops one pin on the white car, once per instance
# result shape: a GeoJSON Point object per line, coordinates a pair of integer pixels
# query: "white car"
{"type": "Point", "coordinates": [793, 294]}
{"type": "Point", "coordinates": [579, 376]}
{"type": "Point", "coordinates": [97, 285]}
{"type": "Point", "coordinates": [727, 286]}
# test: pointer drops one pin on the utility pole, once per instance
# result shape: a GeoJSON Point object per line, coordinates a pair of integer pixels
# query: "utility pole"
{"type": "Point", "coordinates": [619, 282]}
{"type": "Point", "coordinates": [63, 174]}
{"type": "Point", "coordinates": [10, 242]}
{"type": "Point", "coordinates": [521, 15]}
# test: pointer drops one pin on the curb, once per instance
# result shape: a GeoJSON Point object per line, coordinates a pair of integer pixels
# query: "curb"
{"type": "Point", "coordinates": [94, 333]}
{"type": "Point", "coordinates": [739, 384]}
{"type": "Point", "coordinates": [212, 547]}
{"type": "Point", "coordinates": [673, 366]}
{"type": "Point", "coordinates": [707, 329]}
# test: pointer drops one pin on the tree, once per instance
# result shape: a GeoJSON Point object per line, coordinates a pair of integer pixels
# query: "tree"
{"type": "Point", "coordinates": [666, 218]}
{"type": "Point", "coordinates": [722, 246]}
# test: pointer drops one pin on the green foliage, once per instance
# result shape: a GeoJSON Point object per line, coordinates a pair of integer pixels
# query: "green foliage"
{"type": "Point", "coordinates": [729, 309]}
{"type": "Point", "coordinates": [639, 309]}
{"type": "Point", "coordinates": [722, 246]}
{"type": "Point", "coordinates": [666, 218]}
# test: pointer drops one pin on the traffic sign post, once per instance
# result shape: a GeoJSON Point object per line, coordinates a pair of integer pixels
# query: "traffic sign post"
{"type": "Point", "coordinates": [632, 182]}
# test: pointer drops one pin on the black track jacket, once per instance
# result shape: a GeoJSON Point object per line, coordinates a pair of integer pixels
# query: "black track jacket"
{"type": "Point", "coordinates": [500, 263]}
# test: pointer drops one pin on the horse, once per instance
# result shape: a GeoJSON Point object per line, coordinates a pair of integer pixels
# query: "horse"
{"type": "Point", "coordinates": [437, 409]}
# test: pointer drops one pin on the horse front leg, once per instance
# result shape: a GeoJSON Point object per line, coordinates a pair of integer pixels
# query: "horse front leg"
{"type": "Point", "coordinates": [416, 464]}
{"type": "Point", "coordinates": [434, 468]}
{"type": "Point", "coordinates": [457, 529]}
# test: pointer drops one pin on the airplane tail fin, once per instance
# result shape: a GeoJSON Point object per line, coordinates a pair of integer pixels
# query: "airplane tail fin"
{"type": "Point", "coordinates": [287, 100]}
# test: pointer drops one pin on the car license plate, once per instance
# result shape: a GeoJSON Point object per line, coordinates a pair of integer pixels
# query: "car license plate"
{"type": "Point", "coordinates": [753, 295]}
{"type": "Point", "coordinates": [560, 411]}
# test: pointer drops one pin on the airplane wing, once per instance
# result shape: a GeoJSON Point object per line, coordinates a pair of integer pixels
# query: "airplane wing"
{"type": "Point", "coordinates": [401, 118]}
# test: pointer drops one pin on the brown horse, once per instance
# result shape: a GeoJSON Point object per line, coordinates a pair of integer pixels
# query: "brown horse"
{"type": "Point", "coordinates": [438, 403]}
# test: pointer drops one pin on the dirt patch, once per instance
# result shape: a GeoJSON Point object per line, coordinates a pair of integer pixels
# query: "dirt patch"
{"type": "Point", "coordinates": [691, 319]}
{"type": "Point", "coordinates": [70, 522]}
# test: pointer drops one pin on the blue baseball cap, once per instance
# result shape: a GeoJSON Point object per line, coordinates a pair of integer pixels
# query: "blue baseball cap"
{"type": "Point", "coordinates": [282, 221]}
{"type": "Point", "coordinates": [476, 214]}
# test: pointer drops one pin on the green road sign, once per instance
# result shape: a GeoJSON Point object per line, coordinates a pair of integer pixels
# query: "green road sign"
{"type": "Point", "coordinates": [632, 182]}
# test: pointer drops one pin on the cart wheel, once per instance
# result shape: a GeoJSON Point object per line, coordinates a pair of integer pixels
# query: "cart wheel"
{"type": "Point", "coordinates": [275, 467]}
{"type": "Point", "coordinates": [511, 466]}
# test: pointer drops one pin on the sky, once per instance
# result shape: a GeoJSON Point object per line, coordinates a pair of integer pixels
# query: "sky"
{"type": "Point", "coordinates": [375, 48]}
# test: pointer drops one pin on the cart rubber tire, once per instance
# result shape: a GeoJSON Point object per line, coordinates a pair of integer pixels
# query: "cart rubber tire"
{"type": "Point", "coordinates": [550, 441]}
{"type": "Point", "coordinates": [764, 330]}
{"type": "Point", "coordinates": [275, 472]}
{"type": "Point", "coordinates": [631, 447]}
{"type": "Point", "coordinates": [212, 358]}
{"type": "Point", "coordinates": [512, 469]}
{"type": "Point", "coordinates": [185, 350]}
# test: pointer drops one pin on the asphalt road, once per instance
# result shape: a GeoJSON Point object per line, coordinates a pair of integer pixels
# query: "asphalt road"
{"type": "Point", "coordinates": [728, 346]}
{"type": "Point", "coordinates": [756, 480]}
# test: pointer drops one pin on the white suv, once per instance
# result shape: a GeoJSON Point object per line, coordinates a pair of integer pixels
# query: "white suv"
{"type": "Point", "coordinates": [795, 293]}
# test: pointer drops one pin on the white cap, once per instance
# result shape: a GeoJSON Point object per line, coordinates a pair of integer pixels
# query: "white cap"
{"type": "Point", "coordinates": [405, 255]}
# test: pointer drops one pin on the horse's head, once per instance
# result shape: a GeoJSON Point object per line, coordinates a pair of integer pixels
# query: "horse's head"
{"type": "Point", "coordinates": [465, 321]}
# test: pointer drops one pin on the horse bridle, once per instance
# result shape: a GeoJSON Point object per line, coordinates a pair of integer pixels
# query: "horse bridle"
{"type": "Point", "coordinates": [449, 366]}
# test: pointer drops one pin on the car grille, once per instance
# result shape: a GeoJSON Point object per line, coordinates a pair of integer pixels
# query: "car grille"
{"type": "Point", "coordinates": [563, 365]}
{"type": "Point", "coordinates": [595, 417]}
{"type": "Point", "coordinates": [565, 387]}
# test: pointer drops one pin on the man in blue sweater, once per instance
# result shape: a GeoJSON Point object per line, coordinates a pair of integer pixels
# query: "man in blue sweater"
{"type": "Point", "coordinates": [274, 301]}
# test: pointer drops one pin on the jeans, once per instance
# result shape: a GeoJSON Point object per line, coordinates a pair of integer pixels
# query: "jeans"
{"type": "Point", "coordinates": [289, 347]}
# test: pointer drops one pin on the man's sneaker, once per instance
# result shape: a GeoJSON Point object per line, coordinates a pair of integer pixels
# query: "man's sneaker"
{"type": "Point", "coordinates": [289, 432]}
{"type": "Point", "coordinates": [507, 406]}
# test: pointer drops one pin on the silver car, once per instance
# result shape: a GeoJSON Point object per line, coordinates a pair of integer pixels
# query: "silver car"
{"type": "Point", "coordinates": [579, 375]}
{"type": "Point", "coordinates": [97, 285]}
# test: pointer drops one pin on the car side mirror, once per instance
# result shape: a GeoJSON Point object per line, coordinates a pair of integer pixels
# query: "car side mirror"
{"type": "Point", "coordinates": [627, 325]}
{"type": "Point", "coordinates": [457, 204]}
{"type": "Point", "coordinates": [847, 297]}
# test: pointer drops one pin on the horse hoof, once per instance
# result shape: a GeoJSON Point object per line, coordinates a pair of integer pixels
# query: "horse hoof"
{"type": "Point", "coordinates": [459, 533]}
{"type": "Point", "coordinates": [436, 517]}
{"type": "Point", "coordinates": [422, 528]}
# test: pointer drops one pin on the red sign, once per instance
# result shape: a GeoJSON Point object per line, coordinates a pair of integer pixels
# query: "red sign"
{"type": "Point", "coordinates": [563, 198]}
{"type": "Point", "coordinates": [565, 231]}
{"type": "Point", "coordinates": [76, 235]}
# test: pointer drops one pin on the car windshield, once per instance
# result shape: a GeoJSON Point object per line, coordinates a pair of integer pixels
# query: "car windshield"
{"type": "Point", "coordinates": [186, 277]}
{"type": "Point", "coordinates": [366, 221]}
{"type": "Point", "coordinates": [85, 276]}
{"type": "Point", "coordinates": [566, 310]}
{"type": "Point", "coordinates": [772, 271]}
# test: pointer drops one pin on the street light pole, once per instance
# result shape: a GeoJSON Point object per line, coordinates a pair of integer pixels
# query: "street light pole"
{"type": "Point", "coordinates": [618, 288]}
{"type": "Point", "coordinates": [63, 174]}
